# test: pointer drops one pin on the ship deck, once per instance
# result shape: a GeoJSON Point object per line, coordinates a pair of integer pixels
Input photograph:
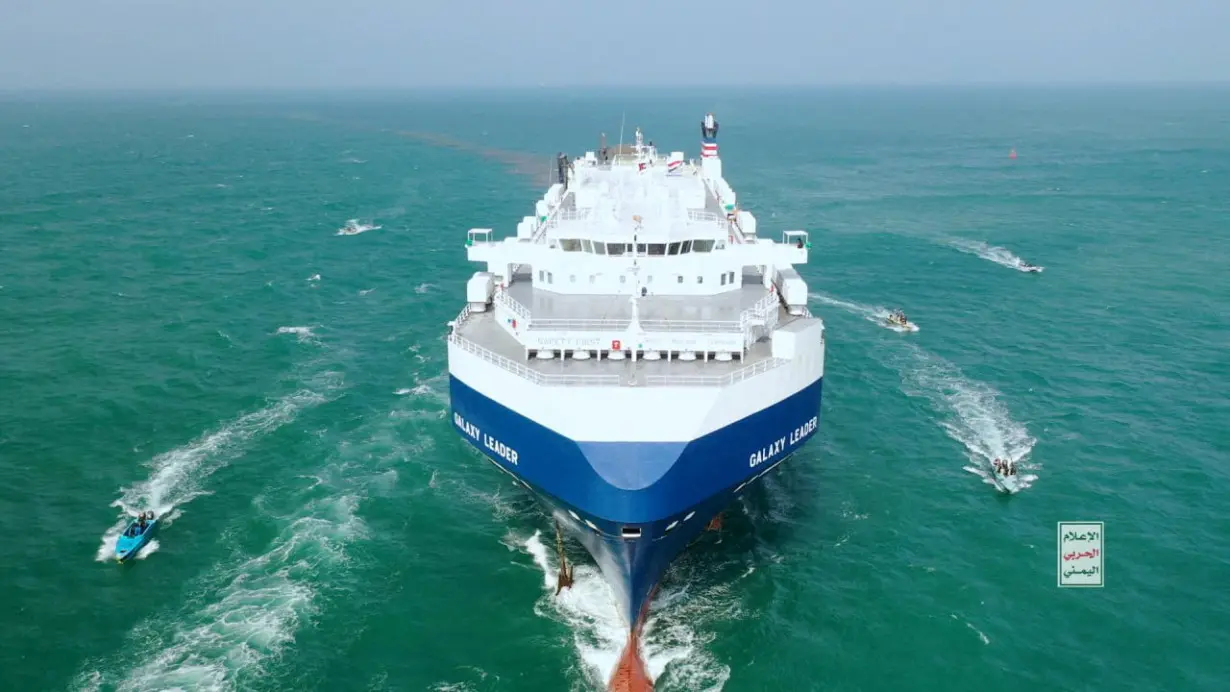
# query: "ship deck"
{"type": "Point", "coordinates": [548, 307]}
{"type": "Point", "coordinates": [482, 330]}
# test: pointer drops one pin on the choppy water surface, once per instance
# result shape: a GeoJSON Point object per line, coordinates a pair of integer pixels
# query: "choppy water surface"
{"type": "Point", "coordinates": [233, 312]}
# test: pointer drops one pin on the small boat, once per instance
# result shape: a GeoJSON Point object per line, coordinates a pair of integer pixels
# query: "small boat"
{"type": "Point", "coordinates": [897, 320]}
{"type": "Point", "coordinates": [1004, 484]}
{"type": "Point", "coordinates": [1031, 268]}
{"type": "Point", "coordinates": [135, 537]}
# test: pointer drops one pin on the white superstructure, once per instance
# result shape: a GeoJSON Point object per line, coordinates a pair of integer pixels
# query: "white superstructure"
{"type": "Point", "coordinates": [637, 259]}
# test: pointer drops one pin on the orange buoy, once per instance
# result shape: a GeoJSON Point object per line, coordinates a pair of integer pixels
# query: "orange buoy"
{"type": "Point", "coordinates": [1012, 154]}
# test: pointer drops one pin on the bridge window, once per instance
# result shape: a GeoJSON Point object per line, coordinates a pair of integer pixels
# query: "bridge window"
{"type": "Point", "coordinates": [614, 248]}
{"type": "Point", "coordinates": [570, 244]}
{"type": "Point", "coordinates": [640, 249]}
{"type": "Point", "coordinates": [732, 276]}
{"type": "Point", "coordinates": [687, 247]}
{"type": "Point", "coordinates": [550, 278]}
{"type": "Point", "coordinates": [723, 278]}
{"type": "Point", "coordinates": [542, 275]}
{"type": "Point", "coordinates": [702, 245]}
{"type": "Point", "coordinates": [587, 246]}
{"type": "Point", "coordinates": [599, 248]}
{"type": "Point", "coordinates": [672, 249]}
{"type": "Point", "coordinates": [657, 249]}
{"type": "Point", "coordinates": [630, 532]}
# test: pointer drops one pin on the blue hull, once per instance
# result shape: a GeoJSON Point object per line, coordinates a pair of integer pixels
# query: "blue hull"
{"type": "Point", "coordinates": [126, 548]}
{"type": "Point", "coordinates": [663, 494]}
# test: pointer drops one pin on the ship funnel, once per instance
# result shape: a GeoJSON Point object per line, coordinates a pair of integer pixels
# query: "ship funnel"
{"type": "Point", "coordinates": [708, 137]}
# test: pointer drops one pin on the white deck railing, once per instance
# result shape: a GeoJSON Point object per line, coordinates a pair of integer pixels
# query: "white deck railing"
{"type": "Point", "coordinates": [570, 324]}
{"type": "Point", "coordinates": [562, 215]}
{"type": "Point", "coordinates": [529, 373]}
{"type": "Point", "coordinates": [504, 300]}
{"type": "Point", "coordinates": [627, 379]}
{"type": "Point", "coordinates": [739, 375]}
{"type": "Point", "coordinates": [630, 379]}
{"type": "Point", "coordinates": [764, 313]}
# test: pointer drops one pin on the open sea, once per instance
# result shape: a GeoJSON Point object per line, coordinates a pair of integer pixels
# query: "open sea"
{"type": "Point", "coordinates": [232, 309]}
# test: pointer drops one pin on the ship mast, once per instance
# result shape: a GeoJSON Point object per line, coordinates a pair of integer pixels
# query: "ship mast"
{"type": "Point", "coordinates": [634, 327]}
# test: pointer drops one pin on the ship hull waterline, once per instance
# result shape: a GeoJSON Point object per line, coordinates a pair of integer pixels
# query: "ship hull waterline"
{"type": "Point", "coordinates": [704, 478]}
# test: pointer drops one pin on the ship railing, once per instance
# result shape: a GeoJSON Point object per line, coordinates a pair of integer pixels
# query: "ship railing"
{"type": "Point", "coordinates": [565, 324]}
{"type": "Point", "coordinates": [728, 326]}
{"type": "Point", "coordinates": [461, 318]}
{"type": "Point", "coordinates": [728, 223]}
{"type": "Point", "coordinates": [560, 380]}
{"type": "Point", "coordinates": [739, 375]}
{"type": "Point", "coordinates": [704, 216]}
{"type": "Point", "coordinates": [503, 299]}
{"type": "Point", "coordinates": [761, 317]}
{"type": "Point", "coordinates": [631, 160]}
{"type": "Point", "coordinates": [528, 373]}
{"type": "Point", "coordinates": [561, 215]}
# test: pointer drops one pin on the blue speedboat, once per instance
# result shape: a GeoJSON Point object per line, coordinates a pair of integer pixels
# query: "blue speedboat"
{"type": "Point", "coordinates": [135, 536]}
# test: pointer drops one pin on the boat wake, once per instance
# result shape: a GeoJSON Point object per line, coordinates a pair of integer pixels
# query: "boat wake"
{"type": "Point", "coordinates": [674, 651]}
{"type": "Point", "coordinates": [147, 549]}
{"type": "Point", "coordinates": [976, 419]}
{"type": "Point", "coordinates": [991, 253]}
{"type": "Point", "coordinates": [245, 612]}
{"type": "Point", "coordinates": [875, 314]}
{"type": "Point", "coordinates": [178, 476]}
{"type": "Point", "coordinates": [354, 227]}
{"type": "Point", "coordinates": [304, 334]}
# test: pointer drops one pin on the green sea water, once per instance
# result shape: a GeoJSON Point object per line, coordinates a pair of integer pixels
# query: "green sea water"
{"type": "Point", "coordinates": [183, 327]}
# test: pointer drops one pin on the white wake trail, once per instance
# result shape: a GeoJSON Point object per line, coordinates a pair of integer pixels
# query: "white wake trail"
{"type": "Point", "coordinates": [975, 416]}
{"type": "Point", "coordinates": [178, 476]}
{"type": "Point", "coordinates": [246, 612]}
{"type": "Point", "coordinates": [876, 314]}
{"type": "Point", "coordinates": [991, 253]}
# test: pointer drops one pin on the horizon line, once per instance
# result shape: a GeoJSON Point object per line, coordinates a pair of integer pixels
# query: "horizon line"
{"type": "Point", "coordinates": [525, 87]}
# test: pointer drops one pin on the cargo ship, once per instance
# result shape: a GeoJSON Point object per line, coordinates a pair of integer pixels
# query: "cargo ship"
{"type": "Point", "coordinates": [636, 355]}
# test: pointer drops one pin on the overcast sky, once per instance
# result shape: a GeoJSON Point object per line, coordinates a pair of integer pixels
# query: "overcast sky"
{"type": "Point", "coordinates": [406, 43]}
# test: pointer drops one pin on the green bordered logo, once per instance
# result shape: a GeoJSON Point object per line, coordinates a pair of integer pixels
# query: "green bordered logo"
{"type": "Point", "coordinates": [1082, 553]}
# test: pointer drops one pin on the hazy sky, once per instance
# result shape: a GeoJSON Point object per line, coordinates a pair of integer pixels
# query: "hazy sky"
{"type": "Point", "coordinates": [400, 43]}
